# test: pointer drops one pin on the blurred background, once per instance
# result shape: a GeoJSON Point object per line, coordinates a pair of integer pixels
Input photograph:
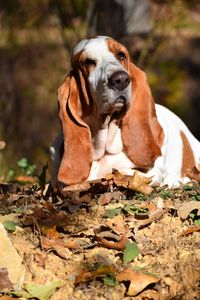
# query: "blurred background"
{"type": "Point", "coordinates": [36, 40]}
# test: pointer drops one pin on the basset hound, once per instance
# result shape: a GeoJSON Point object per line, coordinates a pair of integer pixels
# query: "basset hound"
{"type": "Point", "coordinates": [109, 121]}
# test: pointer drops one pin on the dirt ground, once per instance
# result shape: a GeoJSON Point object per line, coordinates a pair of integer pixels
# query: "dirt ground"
{"type": "Point", "coordinates": [103, 241]}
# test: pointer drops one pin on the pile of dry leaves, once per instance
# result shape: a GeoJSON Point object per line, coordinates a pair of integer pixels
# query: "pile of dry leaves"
{"type": "Point", "coordinates": [115, 238]}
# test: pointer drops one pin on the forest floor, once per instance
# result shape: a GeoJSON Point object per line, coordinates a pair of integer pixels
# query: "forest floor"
{"type": "Point", "coordinates": [103, 240]}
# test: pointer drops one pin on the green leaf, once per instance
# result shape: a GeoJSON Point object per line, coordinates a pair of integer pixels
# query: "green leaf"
{"type": "Point", "coordinates": [110, 280]}
{"type": "Point", "coordinates": [192, 215]}
{"type": "Point", "coordinates": [10, 175]}
{"type": "Point", "coordinates": [130, 252]}
{"type": "Point", "coordinates": [133, 209]}
{"type": "Point", "coordinates": [111, 213]}
{"type": "Point", "coordinates": [23, 163]}
{"type": "Point", "coordinates": [197, 197]}
{"type": "Point", "coordinates": [187, 187]}
{"type": "Point", "coordinates": [43, 291]}
{"type": "Point", "coordinates": [30, 170]}
{"type": "Point", "coordinates": [197, 222]}
{"type": "Point", "coordinates": [10, 225]}
{"type": "Point", "coordinates": [192, 193]}
{"type": "Point", "coordinates": [38, 291]}
{"type": "Point", "coordinates": [22, 294]}
{"type": "Point", "coordinates": [138, 268]}
{"type": "Point", "coordinates": [165, 194]}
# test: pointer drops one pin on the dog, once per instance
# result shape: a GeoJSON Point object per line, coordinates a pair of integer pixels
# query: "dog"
{"type": "Point", "coordinates": [109, 121]}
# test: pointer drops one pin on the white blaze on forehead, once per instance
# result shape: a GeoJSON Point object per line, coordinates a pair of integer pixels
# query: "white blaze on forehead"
{"type": "Point", "coordinates": [96, 48]}
{"type": "Point", "coordinates": [82, 45]}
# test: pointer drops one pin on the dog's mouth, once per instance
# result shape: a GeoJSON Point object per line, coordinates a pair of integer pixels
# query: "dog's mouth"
{"type": "Point", "coordinates": [116, 110]}
{"type": "Point", "coordinates": [119, 104]}
{"type": "Point", "coordinates": [119, 108]}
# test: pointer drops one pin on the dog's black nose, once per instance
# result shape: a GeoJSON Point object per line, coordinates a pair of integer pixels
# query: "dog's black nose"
{"type": "Point", "coordinates": [119, 80]}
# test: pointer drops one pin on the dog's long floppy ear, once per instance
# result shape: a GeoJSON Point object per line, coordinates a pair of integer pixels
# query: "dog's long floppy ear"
{"type": "Point", "coordinates": [77, 156]}
{"type": "Point", "coordinates": [142, 134]}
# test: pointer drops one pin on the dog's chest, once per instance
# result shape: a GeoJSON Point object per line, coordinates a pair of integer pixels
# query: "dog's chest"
{"type": "Point", "coordinates": [108, 153]}
{"type": "Point", "coordinates": [107, 141]}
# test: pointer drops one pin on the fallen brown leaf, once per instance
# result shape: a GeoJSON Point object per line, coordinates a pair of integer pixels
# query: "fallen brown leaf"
{"type": "Point", "coordinates": [105, 198]}
{"type": "Point", "coordinates": [189, 231]}
{"type": "Point", "coordinates": [81, 187]}
{"type": "Point", "coordinates": [54, 244]}
{"type": "Point", "coordinates": [46, 217]}
{"type": "Point", "coordinates": [100, 271]}
{"type": "Point", "coordinates": [187, 207]}
{"type": "Point", "coordinates": [138, 280]}
{"type": "Point", "coordinates": [9, 188]}
{"type": "Point", "coordinates": [137, 182]}
{"type": "Point", "coordinates": [113, 245]}
{"type": "Point", "coordinates": [5, 282]}
{"type": "Point", "coordinates": [72, 244]}
{"type": "Point", "coordinates": [140, 184]}
{"type": "Point", "coordinates": [117, 225]}
{"type": "Point", "coordinates": [84, 199]}
{"type": "Point", "coordinates": [5, 297]}
{"type": "Point", "coordinates": [109, 239]}
{"type": "Point", "coordinates": [51, 233]}
{"type": "Point", "coordinates": [40, 259]}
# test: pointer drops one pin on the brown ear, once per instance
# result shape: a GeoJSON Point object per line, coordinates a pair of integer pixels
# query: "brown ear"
{"type": "Point", "coordinates": [77, 157]}
{"type": "Point", "coordinates": [142, 135]}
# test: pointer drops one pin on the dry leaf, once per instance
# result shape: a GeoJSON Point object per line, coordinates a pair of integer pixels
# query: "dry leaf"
{"type": "Point", "coordinates": [138, 280]}
{"type": "Point", "coordinates": [113, 245]}
{"type": "Point", "coordinates": [105, 198]}
{"type": "Point", "coordinates": [84, 199]}
{"type": "Point", "coordinates": [117, 225]}
{"type": "Point", "coordinates": [140, 184]}
{"type": "Point", "coordinates": [189, 231]}
{"type": "Point", "coordinates": [81, 187]}
{"type": "Point", "coordinates": [53, 241]}
{"type": "Point", "coordinates": [110, 240]}
{"type": "Point", "coordinates": [72, 244]}
{"type": "Point", "coordinates": [40, 259]}
{"type": "Point", "coordinates": [46, 217]}
{"type": "Point", "coordinates": [5, 282]}
{"type": "Point", "coordinates": [184, 211]}
{"type": "Point", "coordinates": [100, 271]}
{"type": "Point", "coordinates": [55, 244]}
{"type": "Point", "coordinates": [136, 182]}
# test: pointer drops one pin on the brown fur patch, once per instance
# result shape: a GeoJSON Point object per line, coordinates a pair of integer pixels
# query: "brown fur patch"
{"type": "Point", "coordinates": [115, 48]}
{"type": "Point", "coordinates": [188, 161]}
{"type": "Point", "coordinates": [142, 134]}
{"type": "Point", "coordinates": [77, 157]}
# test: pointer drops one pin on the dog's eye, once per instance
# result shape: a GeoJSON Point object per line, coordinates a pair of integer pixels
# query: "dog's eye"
{"type": "Point", "coordinates": [121, 55]}
{"type": "Point", "coordinates": [89, 62]}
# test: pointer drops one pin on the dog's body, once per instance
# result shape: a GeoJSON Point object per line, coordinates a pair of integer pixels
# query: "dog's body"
{"type": "Point", "coordinates": [109, 121]}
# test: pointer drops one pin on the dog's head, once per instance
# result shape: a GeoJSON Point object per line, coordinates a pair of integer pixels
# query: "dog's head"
{"type": "Point", "coordinates": [103, 81]}
{"type": "Point", "coordinates": [105, 65]}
